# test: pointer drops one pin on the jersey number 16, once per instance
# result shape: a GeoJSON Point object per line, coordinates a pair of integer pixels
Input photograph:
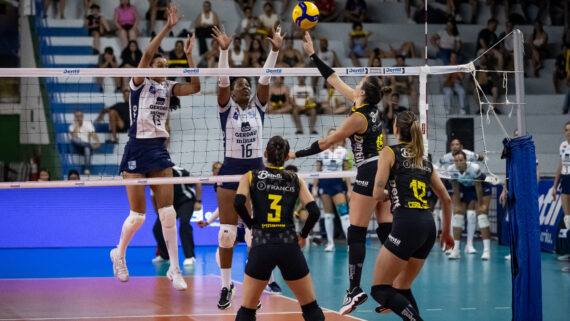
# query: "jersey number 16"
{"type": "Point", "coordinates": [246, 151]}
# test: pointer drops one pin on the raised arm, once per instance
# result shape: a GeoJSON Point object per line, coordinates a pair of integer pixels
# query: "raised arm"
{"type": "Point", "coordinates": [276, 42]}
{"type": "Point", "coordinates": [173, 19]}
{"type": "Point", "coordinates": [223, 81]}
{"type": "Point", "coordinates": [192, 87]}
{"type": "Point", "coordinates": [325, 70]}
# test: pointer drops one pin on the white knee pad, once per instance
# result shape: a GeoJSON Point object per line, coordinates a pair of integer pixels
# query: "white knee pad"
{"type": "Point", "coordinates": [135, 219]}
{"type": "Point", "coordinates": [457, 220]}
{"type": "Point", "coordinates": [483, 220]}
{"type": "Point", "coordinates": [471, 216]}
{"type": "Point", "coordinates": [247, 237]}
{"type": "Point", "coordinates": [227, 236]}
{"type": "Point", "coordinates": [567, 221]}
{"type": "Point", "coordinates": [167, 216]}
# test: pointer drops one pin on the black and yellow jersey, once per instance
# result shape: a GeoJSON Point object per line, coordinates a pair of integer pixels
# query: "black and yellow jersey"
{"type": "Point", "coordinates": [408, 185]}
{"type": "Point", "coordinates": [366, 146]}
{"type": "Point", "coordinates": [274, 193]}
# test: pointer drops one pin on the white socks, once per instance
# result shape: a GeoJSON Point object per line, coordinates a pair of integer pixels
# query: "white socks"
{"type": "Point", "coordinates": [471, 226]}
{"type": "Point", "coordinates": [132, 223]}
{"type": "Point", "coordinates": [457, 245]}
{"type": "Point", "coordinates": [486, 245]}
{"type": "Point", "coordinates": [329, 227]}
{"type": "Point", "coordinates": [345, 222]}
{"type": "Point", "coordinates": [226, 277]}
{"type": "Point", "coordinates": [168, 220]}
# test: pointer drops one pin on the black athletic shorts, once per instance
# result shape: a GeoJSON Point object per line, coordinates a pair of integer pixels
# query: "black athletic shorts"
{"type": "Point", "coordinates": [365, 176]}
{"type": "Point", "coordinates": [413, 234]}
{"type": "Point", "coordinates": [264, 258]}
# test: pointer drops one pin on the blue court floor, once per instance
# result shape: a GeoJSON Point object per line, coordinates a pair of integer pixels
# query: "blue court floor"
{"type": "Point", "coordinates": [468, 289]}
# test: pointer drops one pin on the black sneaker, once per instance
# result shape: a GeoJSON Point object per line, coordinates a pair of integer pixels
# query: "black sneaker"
{"type": "Point", "coordinates": [226, 296]}
{"type": "Point", "coordinates": [352, 299]}
{"type": "Point", "coordinates": [259, 305]}
{"type": "Point", "coordinates": [273, 288]}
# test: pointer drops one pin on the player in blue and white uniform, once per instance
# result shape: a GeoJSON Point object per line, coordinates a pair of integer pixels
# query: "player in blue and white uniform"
{"type": "Point", "coordinates": [145, 154]}
{"type": "Point", "coordinates": [331, 190]}
{"type": "Point", "coordinates": [563, 176]}
{"type": "Point", "coordinates": [470, 192]}
{"type": "Point", "coordinates": [241, 118]}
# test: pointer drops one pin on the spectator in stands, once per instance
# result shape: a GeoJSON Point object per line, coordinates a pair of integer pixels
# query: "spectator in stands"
{"type": "Point", "coordinates": [60, 7]}
{"type": "Point", "coordinates": [374, 61]}
{"type": "Point", "coordinates": [237, 54]}
{"type": "Point", "coordinates": [566, 105]}
{"type": "Point", "coordinates": [327, 10]}
{"type": "Point", "coordinates": [279, 97]}
{"type": "Point", "coordinates": [108, 60]}
{"type": "Point", "coordinates": [507, 46]}
{"type": "Point", "coordinates": [269, 18]}
{"type": "Point", "coordinates": [391, 108]}
{"type": "Point", "coordinates": [453, 83]}
{"type": "Point", "coordinates": [327, 56]}
{"type": "Point", "coordinates": [404, 85]}
{"type": "Point", "coordinates": [156, 11]}
{"type": "Point", "coordinates": [84, 139]}
{"type": "Point", "coordinates": [290, 57]}
{"type": "Point", "coordinates": [489, 82]}
{"type": "Point", "coordinates": [538, 47]}
{"type": "Point", "coordinates": [96, 26]}
{"type": "Point", "coordinates": [331, 102]}
{"type": "Point", "coordinates": [126, 21]}
{"type": "Point", "coordinates": [358, 41]}
{"type": "Point", "coordinates": [486, 39]}
{"type": "Point", "coordinates": [452, 9]}
{"type": "Point", "coordinates": [303, 102]}
{"type": "Point", "coordinates": [249, 24]}
{"type": "Point", "coordinates": [561, 68]}
{"type": "Point", "coordinates": [447, 41]}
{"type": "Point", "coordinates": [211, 57]}
{"type": "Point", "coordinates": [355, 11]}
{"type": "Point", "coordinates": [255, 56]}
{"type": "Point", "coordinates": [245, 3]}
{"type": "Point", "coordinates": [203, 24]}
{"type": "Point", "coordinates": [177, 57]}
{"type": "Point", "coordinates": [73, 175]}
{"type": "Point", "coordinates": [119, 117]}
{"type": "Point", "coordinates": [130, 58]}
{"type": "Point", "coordinates": [44, 176]}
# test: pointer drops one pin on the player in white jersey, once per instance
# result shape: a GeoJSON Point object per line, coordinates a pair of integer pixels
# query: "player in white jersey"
{"type": "Point", "coordinates": [332, 190]}
{"type": "Point", "coordinates": [146, 155]}
{"type": "Point", "coordinates": [455, 146]}
{"type": "Point", "coordinates": [563, 176]}
{"type": "Point", "coordinates": [470, 192]}
{"type": "Point", "coordinates": [241, 117]}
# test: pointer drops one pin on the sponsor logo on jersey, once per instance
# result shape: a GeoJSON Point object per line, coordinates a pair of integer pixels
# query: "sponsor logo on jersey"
{"type": "Point", "coordinates": [190, 71]}
{"type": "Point", "coordinates": [287, 189]}
{"type": "Point", "coordinates": [152, 90]}
{"type": "Point", "coordinates": [357, 71]}
{"type": "Point", "coordinates": [71, 71]}
{"type": "Point", "coordinates": [394, 240]}
{"type": "Point", "coordinates": [261, 186]}
{"type": "Point", "coordinates": [273, 71]}
{"type": "Point", "coordinates": [394, 70]}
{"type": "Point", "coordinates": [265, 174]}
{"type": "Point", "coordinates": [236, 115]}
{"type": "Point", "coordinates": [361, 183]}
{"type": "Point", "coordinates": [245, 126]}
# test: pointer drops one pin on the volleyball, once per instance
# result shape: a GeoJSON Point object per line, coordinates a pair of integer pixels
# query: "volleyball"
{"type": "Point", "coordinates": [305, 14]}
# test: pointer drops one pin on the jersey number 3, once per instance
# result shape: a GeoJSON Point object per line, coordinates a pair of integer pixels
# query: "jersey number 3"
{"type": "Point", "coordinates": [419, 189]}
{"type": "Point", "coordinates": [276, 216]}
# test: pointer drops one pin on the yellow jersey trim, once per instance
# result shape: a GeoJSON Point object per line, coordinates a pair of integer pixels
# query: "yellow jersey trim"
{"type": "Point", "coordinates": [275, 167]}
{"type": "Point", "coordinates": [250, 176]}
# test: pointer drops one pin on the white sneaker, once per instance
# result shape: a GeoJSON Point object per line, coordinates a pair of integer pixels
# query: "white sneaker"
{"type": "Point", "coordinates": [448, 251]}
{"type": "Point", "coordinates": [469, 249]}
{"type": "Point", "coordinates": [175, 275]}
{"type": "Point", "coordinates": [563, 258]}
{"type": "Point", "coordinates": [159, 259]}
{"type": "Point", "coordinates": [119, 266]}
{"type": "Point", "coordinates": [507, 257]}
{"type": "Point", "coordinates": [330, 247]}
{"type": "Point", "coordinates": [566, 269]}
{"type": "Point", "coordinates": [189, 261]}
{"type": "Point", "coordinates": [486, 255]}
{"type": "Point", "coordinates": [455, 254]}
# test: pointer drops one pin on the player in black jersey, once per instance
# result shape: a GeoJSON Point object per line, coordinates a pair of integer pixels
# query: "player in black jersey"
{"type": "Point", "coordinates": [274, 193]}
{"type": "Point", "coordinates": [413, 230]}
{"type": "Point", "coordinates": [364, 128]}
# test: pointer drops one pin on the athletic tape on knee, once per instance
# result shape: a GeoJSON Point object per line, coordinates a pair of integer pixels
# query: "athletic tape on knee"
{"type": "Point", "coordinates": [227, 236]}
{"type": "Point", "coordinates": [135, 218]}
{"type": "Point", "coordinates": [342, 209]}
{"type": "Point", "coordinates": [471, 216]}
{"type": "Point", "coordinates": [356, 234]}
{"type": "Point", "coordinates": [483, 220]}
{"type": "Point", "coordinates": [167, 216]}
{"type": "Point", "coordinates": [567, 221]}
{"type": "Point", "coordinates": [248, 237]}
{"type": "Point", "coordinates": [457, 220]}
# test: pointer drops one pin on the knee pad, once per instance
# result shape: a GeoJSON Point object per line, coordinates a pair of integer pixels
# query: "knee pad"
{"type": "Point", "coordinates": [567, 221]}
{"type": "Point", "coordinates": [342, 209]}
{"type": "Point", "coordinates": [135, 219]}
{"type": "Point", "coordinates": [381, 293]}
{"type": "Point", "coordinates": [312, 312]}
{"type": "Point", "coordinates": [356, 234]}
{"type": "Point", "coordinates": [167, 216]}
{"type": "Point", "coordinates": [248, 237]}
{"type": "Point", "coordinates": [227, 235]}
{"type": "Point", "coordinates": [471, 216]}
{"type": "Point", "coordinates": [457, 220]}
{"type": "Point", "coordinates": [483, 220]}
{"type": "Point", "coordinates": [383, 230]}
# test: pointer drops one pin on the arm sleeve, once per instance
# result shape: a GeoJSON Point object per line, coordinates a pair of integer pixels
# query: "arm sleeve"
{"type": "Point", "coordinates": [239, 206]}
{"type": "Point", "coordinates": [312, 219]}
{"type": "Point", "coordinates": [214, 216]}
{"type": "Point", "coordinates": [223, 81]}
{"type": "Point", "coordinates": [308, 151]}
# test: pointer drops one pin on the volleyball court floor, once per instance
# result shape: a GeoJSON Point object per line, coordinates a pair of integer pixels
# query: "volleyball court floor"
{"type": "Point", "coordinates": [77, 284]}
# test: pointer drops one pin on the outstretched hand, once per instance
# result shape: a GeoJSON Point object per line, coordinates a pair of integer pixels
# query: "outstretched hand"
{"type": "Point", "coordinates": [223, 39]}
{"type": "Point", "coordinates": [172, 16]}
{"type": "Point", "coordinates": [277, 39]}
{"type": "Point", "coordinates": [308, 44]}
{"type": "Point", "coordinates": [189, 44]}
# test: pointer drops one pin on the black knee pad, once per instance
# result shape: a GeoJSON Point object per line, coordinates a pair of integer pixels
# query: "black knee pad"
{"type": "Point", "coordinates": [312, 312]}
{"type": "Point", "coordinates": [245, 314]}
{"type": "Point", "coordinates": [381, 293]}
{"type": "Point", "coordinates": [356, 234]}
{"type": "Point", "coordinates": [383, 230]}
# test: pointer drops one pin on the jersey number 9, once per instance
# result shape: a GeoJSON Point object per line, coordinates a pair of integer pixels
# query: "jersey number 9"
{"type": "Point", "coordinates": [276, 216]}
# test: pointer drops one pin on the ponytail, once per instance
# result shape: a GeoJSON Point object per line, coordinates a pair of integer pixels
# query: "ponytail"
{"type": "Point", "coordinates": [410, 132]}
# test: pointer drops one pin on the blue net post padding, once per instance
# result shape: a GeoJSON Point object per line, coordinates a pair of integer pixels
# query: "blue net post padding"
{"type": "Point", "coordinates": [524, 229]}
